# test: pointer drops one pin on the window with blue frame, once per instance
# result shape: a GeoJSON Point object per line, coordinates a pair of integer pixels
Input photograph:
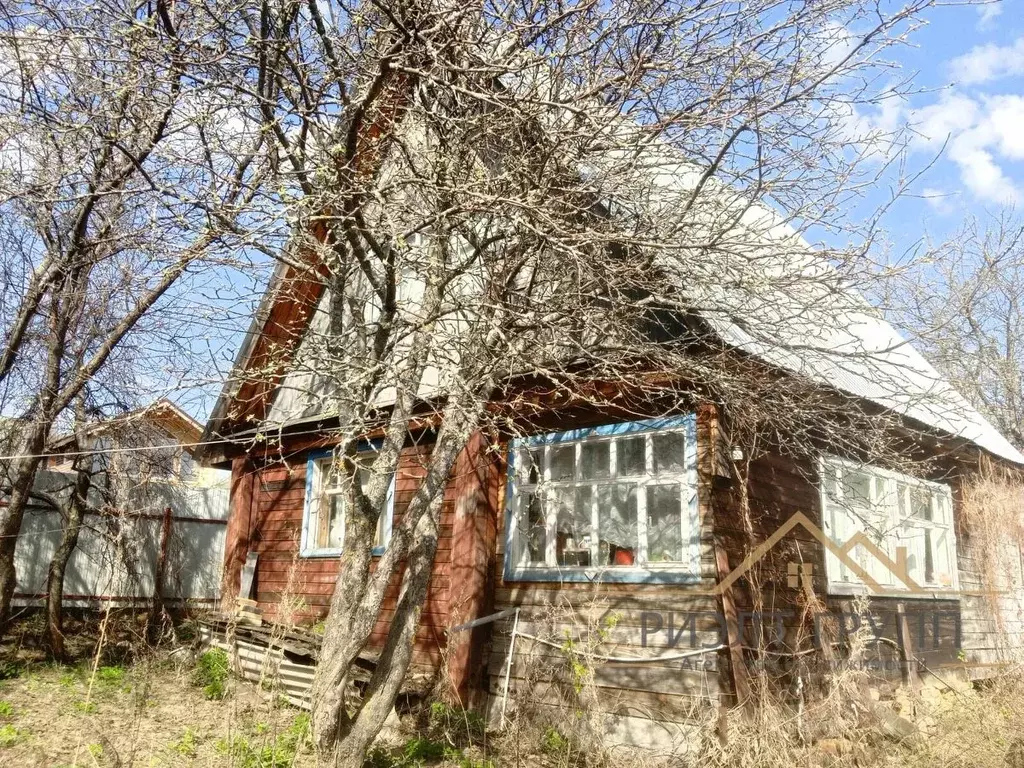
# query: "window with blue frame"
{"type": "Point", "coordinates": [615, 502]}
{"type": "Point", "coordinates": [323, 519]}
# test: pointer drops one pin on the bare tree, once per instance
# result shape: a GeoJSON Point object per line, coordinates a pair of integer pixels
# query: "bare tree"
{"type": "Point", "coordinates": [962, 301]}
{"type": "Point", "coordinates": [72, 509]}
{"type": "Point", "coordinates": [512, 208]}
{"type": "Point", "coordinates": [123, 168]}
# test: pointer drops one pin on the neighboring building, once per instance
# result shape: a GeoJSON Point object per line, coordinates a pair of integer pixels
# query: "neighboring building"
{"type": "Point", "coordinates": [156, 442]}
{"type": "Point", "coordinates": [152, 508]}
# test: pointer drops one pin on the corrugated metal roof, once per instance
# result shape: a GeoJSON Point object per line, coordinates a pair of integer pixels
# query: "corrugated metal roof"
{"type": "Point", "coordinates": [780, 300]}
{"type": "Point", "coordinates": [844, 343]}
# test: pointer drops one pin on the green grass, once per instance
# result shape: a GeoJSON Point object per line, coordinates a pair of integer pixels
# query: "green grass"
{"type": "Point", "coordinates": [6, 710]}
{"type": "Point", "coordinates": [211, 673]}
{"type": "Point", "coordinates": [9, 670]}
{"type": "Point", "coordinates": [454, 725]}
{"type": "Point", "coordinates": [418, 752]}
{"type": "Point", "coordinates": [9, 735]}
{"type": "Point", "coordinates": [111, 676]}
{"type": "Point", "coordinates": [279, 753]}
{"type": "Point", "coordinates": [187, 745]}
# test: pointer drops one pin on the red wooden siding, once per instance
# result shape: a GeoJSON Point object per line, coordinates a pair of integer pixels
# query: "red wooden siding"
{"type": "Point", "coordinates": [295, 589]}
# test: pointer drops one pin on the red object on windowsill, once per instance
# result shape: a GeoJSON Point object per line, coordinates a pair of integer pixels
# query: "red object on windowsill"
{"type": "Point", "coordinates": [623, 557]}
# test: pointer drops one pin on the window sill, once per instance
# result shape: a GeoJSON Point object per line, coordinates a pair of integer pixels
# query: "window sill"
{"type": "Point", "coordinates": [926, 593]}
{"type": "Point", "coordinates": [313, 554]}
{"type": "Point", "coordinates": [603, 576]}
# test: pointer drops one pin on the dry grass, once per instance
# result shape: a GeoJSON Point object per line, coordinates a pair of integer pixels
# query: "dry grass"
{"type": "Point", "coordinates": [149, 714]}
{"type": "Point", "coordinates": [153, 712]}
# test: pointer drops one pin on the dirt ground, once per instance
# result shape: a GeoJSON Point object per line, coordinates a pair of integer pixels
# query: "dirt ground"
{"type": "Point", "coordinates": [133, 705]}
{"type": "Point", "coordinates": [149, 714]}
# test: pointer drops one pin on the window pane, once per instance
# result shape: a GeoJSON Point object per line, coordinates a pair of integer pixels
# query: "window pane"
{"type": "Point", "coordinates": [595, 461]}
{"type": "Point", "coordinates": [830, 480]}
{"type": "Point", "coordinates": [563, 462]}
{"type": "Point", "coordinates": [364, 479]}
{"type": "Point", "coordinates": [664, 523]}
{"type": "Point", "coordinates": [929, 557]}
{"type": "Point", "coordinates": [331, 530]}
{"type": "Point", "coordinates": [942, 546]}
{"type": "Point", "coordinates": [921, 503]}
{"type": "Point", "coordinates": [533, 528]}
{"type": "Point", "coordinates": [534, 466]}
{"type": "Point", "coordinates": [903, 501]}
{"type": "Point", "coordinates": [573, 531]}
{"type": "Point", "coordinates": [630, 456]}
{"type": "Point", "coordinates": [330, 473]}
{"type": "Point", "coordinates": [616, 505]}
{"type": "Point", "coordinates": [669, 452]}
{"type": "Point", "coordinates": [857, 488]}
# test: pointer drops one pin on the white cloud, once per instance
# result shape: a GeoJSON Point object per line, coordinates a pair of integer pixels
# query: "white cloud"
{"type": "Point", "coordinates": [980, 135]}
{"type": "Point", "coordinates": [988, 12]}
{"type": "Point", "coordinates": [940, 200]}
{"type": "Point", "coordinates": [952, 115]}
{"type": "Point", "coordinates": [989, 62]}
{"type": "Point", "coordinates": [1006, 117]}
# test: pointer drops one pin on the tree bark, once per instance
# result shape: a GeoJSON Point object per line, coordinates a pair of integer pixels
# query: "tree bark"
{"type": "Point", "coordinates": [22, 475]}
{"type": "Point", "coordinates": [70, 529]}
{"type": "Point", "coordinates": [356, 605]}
{"type": "Point", "coordinates": [379, 697]}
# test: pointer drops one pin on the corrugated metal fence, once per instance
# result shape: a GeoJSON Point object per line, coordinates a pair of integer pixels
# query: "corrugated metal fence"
{"type": "Point", "coordinates": [117, 555]}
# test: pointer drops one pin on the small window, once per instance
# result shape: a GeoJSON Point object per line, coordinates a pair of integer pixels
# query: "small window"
{"type": "Point", "coordinates": [897, 514]}
{"type": "Point", "coordinates": [617, 502]}
{"type": "Point", "coordinates": [323, 523]}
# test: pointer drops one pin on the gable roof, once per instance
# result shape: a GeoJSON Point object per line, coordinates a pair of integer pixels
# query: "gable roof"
{"type": "Point", "coordinates": [163, 414]}
{"type": "Point", "coordinates": [834, 338]}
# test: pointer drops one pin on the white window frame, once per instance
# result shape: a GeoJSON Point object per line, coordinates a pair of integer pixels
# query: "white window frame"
{"type": "Point", "coordinates": [316, 499]}
{"type": "Point", "coordinates": [687, 570]}
{"type": "Point", "coordinates": [890, 527]}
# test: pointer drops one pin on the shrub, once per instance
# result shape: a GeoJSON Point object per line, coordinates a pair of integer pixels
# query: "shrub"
{"type": "Point", "coordinates": [211, 673]}
{"type": "Point", "coordinates": [187, 745]}
{"type": "Point", "coordinates": [455, 725]}
{"type": "Point", "coordinates": [9, 735]}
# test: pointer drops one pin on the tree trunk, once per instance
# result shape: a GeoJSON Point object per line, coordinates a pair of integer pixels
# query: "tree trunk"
{"type": "Point", "coordinates": [70, 529]}
{"type": "Point", "coordinates": [23, 475]}
{"type": "Point", "coordinates": [358, 596]}
{"type": "Point", "coordinates": [379, 697]}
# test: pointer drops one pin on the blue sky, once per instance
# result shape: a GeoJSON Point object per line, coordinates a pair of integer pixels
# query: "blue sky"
{"type": "Point", "coordinates": [969, 65]}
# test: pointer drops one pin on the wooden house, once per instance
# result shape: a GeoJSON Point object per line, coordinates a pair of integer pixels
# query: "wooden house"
{"type": "Point", "coordinates": [634, 528]}
{"type": "Point", "coordinates": [684, 577]}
